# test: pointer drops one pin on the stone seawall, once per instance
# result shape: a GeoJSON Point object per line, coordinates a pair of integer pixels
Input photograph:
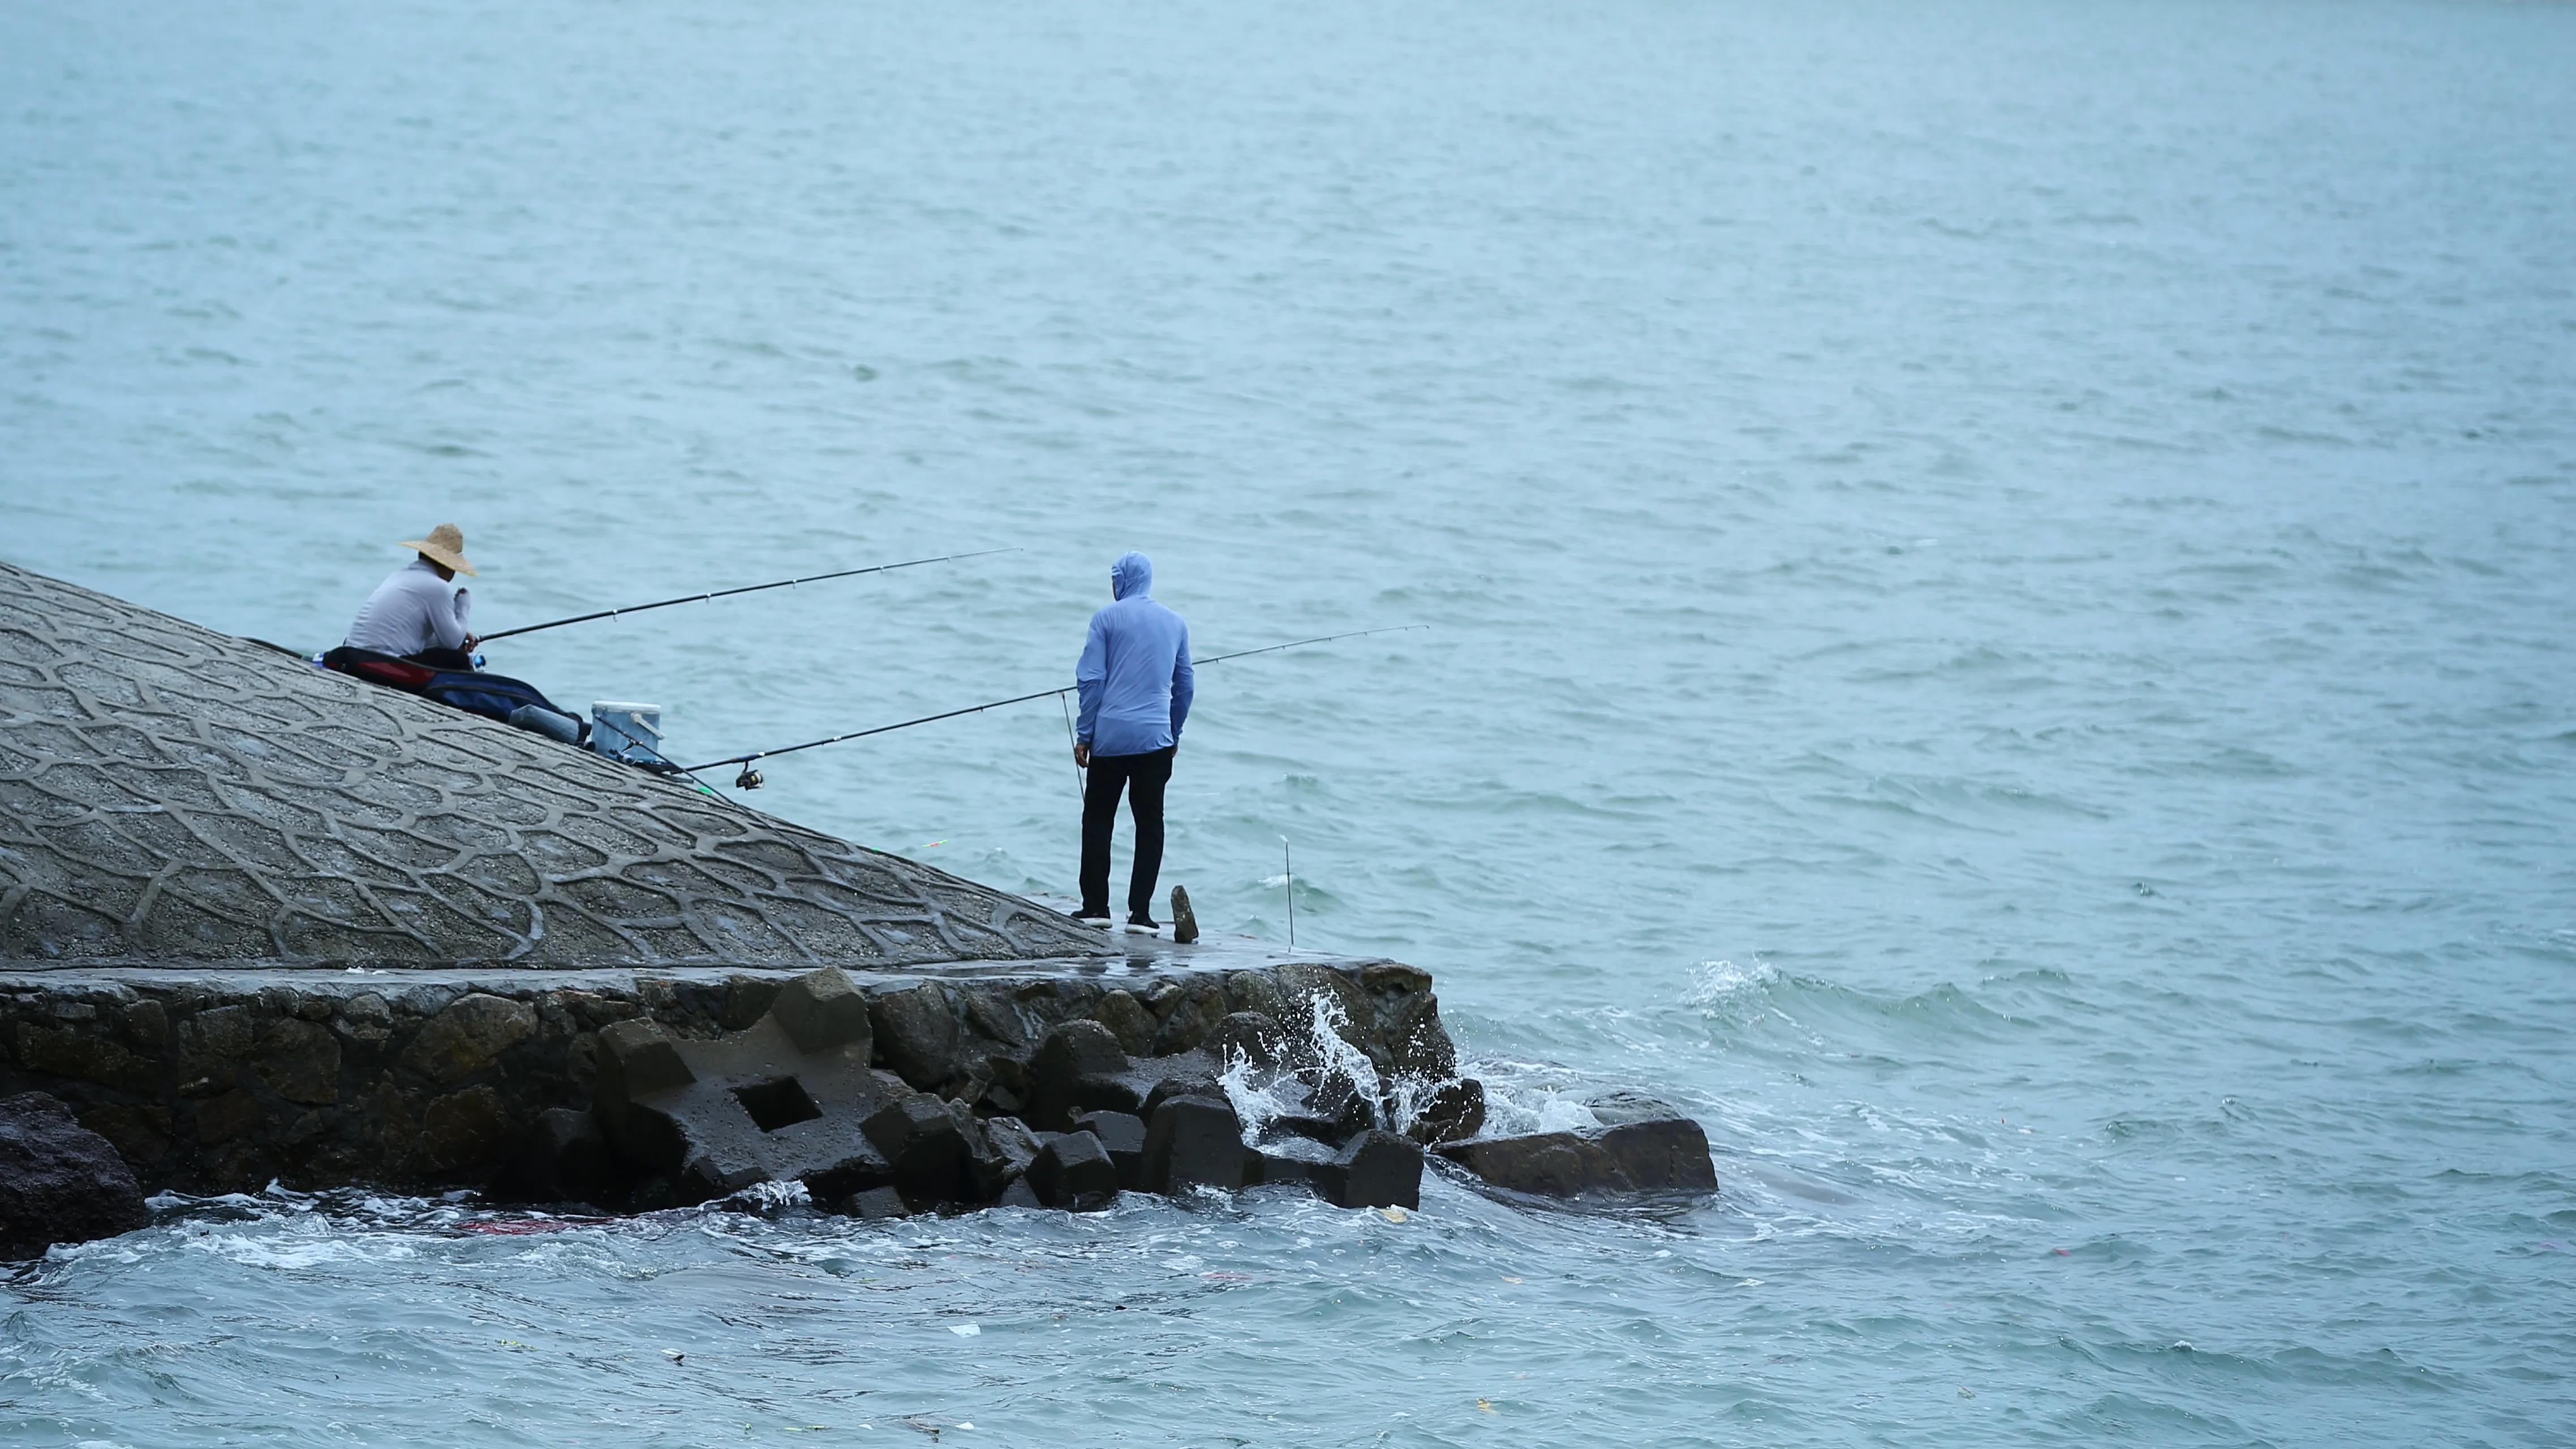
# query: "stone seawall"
{"type": "Point", "coordinates": [426, 1079]}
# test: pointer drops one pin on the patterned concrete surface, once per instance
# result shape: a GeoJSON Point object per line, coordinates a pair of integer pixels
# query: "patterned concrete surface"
{"type": "Point", "coordinates": [173, 795]}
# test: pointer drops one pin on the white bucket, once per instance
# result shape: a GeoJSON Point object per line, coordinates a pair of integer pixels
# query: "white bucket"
{"type": "Point", "coordinates": [624, 731]}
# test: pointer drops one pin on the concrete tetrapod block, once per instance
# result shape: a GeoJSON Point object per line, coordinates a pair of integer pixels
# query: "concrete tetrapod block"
{"type": "Point", "coordinates": [1271, 1166]}
{"type": "Point", "coordinates": [824, 1009]}
{"type": "Point", "coordinates": [1374, 1169]}
{"type": "Point", "coordinates": [1013, 1145]}
{"type": "Point", "coordinates": [717, 1116]}
{"type": "Point", "coordinates": [1188, 1085]}
{"type": "Point", "coordinates": [924, 1149]}
{"type": "Point", "coordinates": [1194, 1142]}
{"type": "Point", "coordinates": [1074, 1171]}
{"type": "Point", "coordinates": [1123, 1133]}
{"type": "Point", "coordinates": [875, 1203]}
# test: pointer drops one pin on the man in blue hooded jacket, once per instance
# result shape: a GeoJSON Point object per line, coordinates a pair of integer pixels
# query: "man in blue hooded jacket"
{"type": "Point", "coordinates": [1136, 687]}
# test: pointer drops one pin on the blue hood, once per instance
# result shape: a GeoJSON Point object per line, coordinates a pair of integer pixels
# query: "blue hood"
{"type": "Point", "coordinates": [1132, 577]}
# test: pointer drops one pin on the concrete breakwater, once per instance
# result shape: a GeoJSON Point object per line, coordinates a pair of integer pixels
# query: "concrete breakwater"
{"type": "Point", "coordinates": [218, 1081]}
{"type": "Point", "coordinates": [260, 923]}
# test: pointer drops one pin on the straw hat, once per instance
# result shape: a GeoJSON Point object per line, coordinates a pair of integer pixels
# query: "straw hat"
{"type": "Point", "coordinates": [444, 545]}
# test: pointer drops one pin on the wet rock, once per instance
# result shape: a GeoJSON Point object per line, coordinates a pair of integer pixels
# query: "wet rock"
{"type": "Point", "coordinates": [1253, 1036]}
{"type": "Point", "coordinates": [1185, 922]}
{"type": "Point", "coordinates": [1019, 1195]}
{"type": "Point", "coordinates": [998, 1152]}
{"type": "Point", "coordinates": [1374, 1169]}
{"type": "Point", "coordinates": [1123, 1134]}
{"type": "Point", "coordinates": [1126, 1019]}
{"type": "Point", "coordinates": [748, 998]}
{"type": "Point", "coordinates": [227, 1116]}
{"type": "Point", "coordinates": [875, 1204]}
{"type": "Point", "coordinates": [916, 1034]}
{"type": "Point", "coordinates": [1394, 977]}
{"type": "Point", "coordinates": [141, 1135]}
{"type": "Point", "coordinates": [1454, 1112]}
{"type": "Point", "coordinates": [1272, 1166]}
{"type": "Point", "coordinates": [1193, 1142]}
{"type": "Point", "coordinates": [212, 1045]}
{"type": "Point", "coordinates": [1187, 1084]}
{"type": "Point", "coordinates": [717, 1116]}
{"type": "Point", "coordinates": [1074, 1171]}
{"type": "Point", "coordinates": [463, 1132]}
{"type": "Point", "coordinates": [1012, 1139]}
{"type": "Point", "coordinates": [147, 1022]}
{"type": "Point", "coordinates": [822, 1010]}
{"type": "Point", "coordinates": [1620, 1107]}
{"type": "Point", "coordinates": [1415, 1042]}
{"type": "Point", "coordinates": [1341, 1099]}
{"type": "Point", "coordinates": [1192, 1020]}
{"type": "Point", "coordinates": [59, 1181]}
{"type": "Point", "coordinates": [300, 1061]}
{"type": "Point", "coordinates": [1079, 1066]}
{"type": "Point", "coordinates": [1665, 1155]}
{"type": "Point", "coordinates": [923, 1147]}
{"type": "Point", "coordinates": [82, 1057]}
{"type": "Point", "coordinates": [469, 1035]}
{"type": "Point", "coordinates": [564, 1157]}
{"type": "Point", "coordinates": [365, 1019]}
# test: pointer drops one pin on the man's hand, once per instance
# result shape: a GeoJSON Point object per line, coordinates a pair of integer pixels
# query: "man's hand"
{"type": "Point", "coordinates": [1082, 757]}
{"type": "Point", "coordinates": [471, 640]}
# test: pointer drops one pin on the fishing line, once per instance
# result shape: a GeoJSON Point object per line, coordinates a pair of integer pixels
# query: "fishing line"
{"type": "Point", "coordinates": [1081, 786]}
{"type": "Point", "coordinates": [745, 589]}
{"type": "Point", "coordinates": [746, 760]}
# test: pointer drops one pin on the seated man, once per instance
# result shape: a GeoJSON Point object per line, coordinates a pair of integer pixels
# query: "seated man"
{"type": "Point", "coordinates": [412, 616]}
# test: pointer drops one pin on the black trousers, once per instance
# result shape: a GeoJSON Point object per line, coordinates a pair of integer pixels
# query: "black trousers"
{"type": "Point", "coordinates": [443, 659]}
{"type": "Point", "coordinates": [1143, 777]}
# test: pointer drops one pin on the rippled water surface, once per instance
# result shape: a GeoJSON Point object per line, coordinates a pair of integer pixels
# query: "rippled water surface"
{"type": "Point", "coordinates": [2000, 584]}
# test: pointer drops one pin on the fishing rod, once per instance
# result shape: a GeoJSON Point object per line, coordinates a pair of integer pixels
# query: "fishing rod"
{"type": "Point", "coordinates": [749, 779]}
{"type": "Point", "coordinates": [746, 589]}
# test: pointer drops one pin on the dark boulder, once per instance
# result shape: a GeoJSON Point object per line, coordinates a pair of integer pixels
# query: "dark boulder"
{"type": "Point", "coordinates": [1079, 1066]}
{"type": "Point", "coordinates": [1454, 1112]}
{"type": "Point", "coordinates": [1123, 1133]}
{"type": "Point", "coordinates": [1194, 1142]}
{"type": "Point", "coordinates": [998, 1151]}
{"type": "Point", "coordinates": [1374, 1169]}
{"type": "Point", "coordinates": [1271, 1167]}
{"type": "Point", "coordinates": [1252, 1035]}
{"type": "Point", "coordinates": [59, 1181]}
{"type": "Point", "coordinates": [1190, 1085]}
{"type": "Point", "coordinates": [1342, 1100]}
{"type": "Point", "coordinates": [875, 1203]}
{"type": "Point", "coordinates": [1019, 1195]}
{"type": "Point", "coordinates": [1074, 1171]}
{"type": "Point", "coordinates": [1013, 1141]}
{"type": "Point", "coordinates": [924, 1149]}
{"type": "Point", "coordinates": [916, 1034]}
{"type": "Point", "coordinates": [563, 1157]}
{"type": "Point", "coordinates": [1649, 1157]}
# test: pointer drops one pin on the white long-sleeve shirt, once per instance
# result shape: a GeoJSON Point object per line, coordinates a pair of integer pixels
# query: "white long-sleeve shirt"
{"type": "Point", "coordinates": [411, 611]}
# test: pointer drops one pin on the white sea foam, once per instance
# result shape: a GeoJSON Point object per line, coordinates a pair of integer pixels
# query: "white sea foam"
{"type": "Point", "coordinates": [1714, 983]}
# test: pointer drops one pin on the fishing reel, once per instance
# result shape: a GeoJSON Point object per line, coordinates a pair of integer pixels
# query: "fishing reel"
{"type": "Point", "coordinates": [749, 779]}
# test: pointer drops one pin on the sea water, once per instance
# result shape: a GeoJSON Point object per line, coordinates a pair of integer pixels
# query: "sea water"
{"type": "Point", "coordinates": [1999, 584]}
